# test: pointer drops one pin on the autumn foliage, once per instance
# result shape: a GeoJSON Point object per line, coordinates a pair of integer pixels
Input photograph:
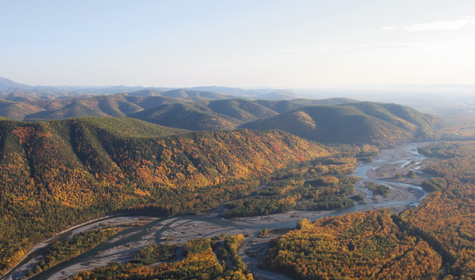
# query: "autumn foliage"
{"type": "Point", "coordinates": [435, 240]}
{"type": "Point", "coordinates": [60, 173]}
{"type": "Point", "coordinates": [354, 246]}
{"type": "Point", "coordinates": [446, 218]}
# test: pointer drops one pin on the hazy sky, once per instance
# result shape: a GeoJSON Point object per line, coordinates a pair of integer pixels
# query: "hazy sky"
{"type": "Point", "coordinates": [282, 44]}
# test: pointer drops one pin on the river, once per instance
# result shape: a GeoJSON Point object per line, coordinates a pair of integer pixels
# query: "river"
{"type": "Point", "coordinates": [123, 247]}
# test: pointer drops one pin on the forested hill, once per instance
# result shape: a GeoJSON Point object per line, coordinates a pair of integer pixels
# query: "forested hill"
{"type": "Point", "coordinates": [224, 114]}
{"type": "Point", "coordinates": [117, 105]}
{"type": "Point", "coordinates": [355, 123]}
{"type": "Point", "coordinates": [20, 106]}
{"type": "Point", "coordinates": [58, 173]}
{"type": "Point", "coordinates": [214, 115]}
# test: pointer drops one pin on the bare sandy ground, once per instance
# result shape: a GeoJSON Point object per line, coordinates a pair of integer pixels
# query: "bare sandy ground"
{"type": "Point", "coordinates": [35, 254]}
{"type": "Point", "coordinates": [279, 218]}
{"type": "Point", "coordinates": [398, 193]}
{"type": "Point", "coordinates": [396, 170]}
{"type": "Point", "coordinates": [177, 231]}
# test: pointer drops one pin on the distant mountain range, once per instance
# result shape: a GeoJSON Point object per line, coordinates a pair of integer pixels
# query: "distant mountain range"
{"type": "Point", "coordinates": [334, 120]}
{"type": "Point", "coordinates": [8, 87]}
{"type": "Point", "coordinates": [184, 108]}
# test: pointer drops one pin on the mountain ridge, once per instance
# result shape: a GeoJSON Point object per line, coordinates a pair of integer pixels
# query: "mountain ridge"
{"type": "Point", "coordinates": [10, 87]}
{"type": "Point", "coordinates": [222, 114]}
{"type": "Point", "coordinates": [354, 123]}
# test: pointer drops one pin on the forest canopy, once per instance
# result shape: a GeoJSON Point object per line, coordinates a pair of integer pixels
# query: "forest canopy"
{"type": "Point", "coordinates": [59, 173]}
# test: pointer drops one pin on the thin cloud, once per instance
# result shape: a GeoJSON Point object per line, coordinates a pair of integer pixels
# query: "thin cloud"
{"type": "Point", "coordinates": [388, 28]}
{"type": "Point", "coordinates": [297, 50]}
{"type": "Point", "coordinates": [368, 47]}
{"type": "Point", "coordinates": [442, 25]}
{"type": "Point", "coordinates": [383, 46]}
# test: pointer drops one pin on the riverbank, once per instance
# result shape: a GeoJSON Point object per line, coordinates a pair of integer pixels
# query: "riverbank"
{"type": "Point", "coordinates": [36, 253]}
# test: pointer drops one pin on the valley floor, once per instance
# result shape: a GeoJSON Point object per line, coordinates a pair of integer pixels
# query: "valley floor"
{"type": "Point", "coordinates": [143, 231]}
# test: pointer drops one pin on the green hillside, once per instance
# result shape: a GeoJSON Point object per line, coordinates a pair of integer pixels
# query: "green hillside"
{"type": "Point", "coordinates": [206, 115]}
{"type": "Point", "coordinates": [194, 95]}
{"type": "Point", "coordinates": [147, 102]}
{"type": "Point", "coordinates": [18, 110]}
{"type": "Point", "coordinates": [222, 114]}
{"type": "Point", "coordinates": [117, 106]}
{"type": "Point", "coordinates": [239, 109]}
{"type": "Point", "coordinates": [282, 106]}
{"type": "Point", "coordinates": [123, 127]}
{"type": "Point", "coordinates": [97, 106]}
{"type": "Point", "coordinates": [75, 109]}
{"type": "Point", "coordinates": [184, 116]}
{"type": "Point", "coordinates": [355, 123]}
{"type": "Point", "coordinates": [59, 173]}
{"type": "Point", "coordinates": [401, 116]}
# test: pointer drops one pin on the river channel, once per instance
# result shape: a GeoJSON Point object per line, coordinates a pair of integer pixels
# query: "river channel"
{"type": "Point", "coordinates": [122, 248]}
